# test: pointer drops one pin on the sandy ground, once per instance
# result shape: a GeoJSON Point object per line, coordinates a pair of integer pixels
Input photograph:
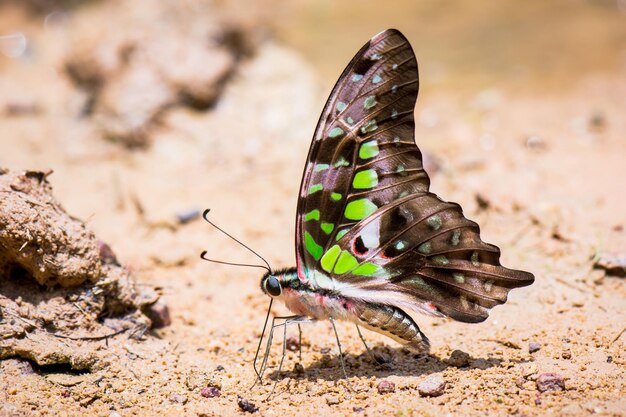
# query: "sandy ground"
{"type": "Point", "coordinates": [542, 175]}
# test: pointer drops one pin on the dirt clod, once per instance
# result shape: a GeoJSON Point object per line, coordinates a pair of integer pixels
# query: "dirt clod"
{"type": "Point", "coordinates": [550, 382]}
{"type": "Point", "coordinates": [534, 347]}
{"type": "Point", "coordinates": [60, 285]}
{"type": "Point", "coordinates": [432, 386]}
{"type": "Point", "coordinates": [459, 359]}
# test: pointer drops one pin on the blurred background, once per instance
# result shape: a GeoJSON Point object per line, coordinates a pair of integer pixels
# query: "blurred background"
{"type": "Point", "coordinates": [141, 114]}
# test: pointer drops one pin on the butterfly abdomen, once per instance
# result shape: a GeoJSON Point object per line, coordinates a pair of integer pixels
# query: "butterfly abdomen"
{"type": "Point", "coordinates": [394, 323]}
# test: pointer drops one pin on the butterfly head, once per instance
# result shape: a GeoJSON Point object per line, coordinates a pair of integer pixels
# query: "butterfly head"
{"type": "Point", "coordinates": [271, 285]}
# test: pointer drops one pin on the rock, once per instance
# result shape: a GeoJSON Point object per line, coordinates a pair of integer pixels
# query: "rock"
{"type": "Point", "coordinates": [550, 382]}
{"type": "Point", "coordinates": [533, 347]}
{"type": "Point", "coordinates": [159, 314]}
{"type": "Point", "coordinates": [614, 264]}
{"type": "Point", "coordinates": [459, 359]}
{"type": "Point", "coordinates": [293, 343]}
{"type": "Point", "coordinates": [210, 392]}
{"type": "Point", "coordinates": [246, 405]}
{"type": "Point", "coordinates": [433, 386]}
{"type": "Point", "coordinates": [385, 387]}
{"type": "Point", "coordinates": [529, 370]}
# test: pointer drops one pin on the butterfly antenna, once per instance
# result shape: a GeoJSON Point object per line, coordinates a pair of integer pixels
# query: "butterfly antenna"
{"type": "Point", "coordinates": [267, 266]}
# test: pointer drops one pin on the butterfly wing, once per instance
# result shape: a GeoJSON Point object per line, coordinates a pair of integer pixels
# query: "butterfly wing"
{"type": "Point", "coordinates": [367, 227]}
{"type": "Point", "coordinates": [366, 125]}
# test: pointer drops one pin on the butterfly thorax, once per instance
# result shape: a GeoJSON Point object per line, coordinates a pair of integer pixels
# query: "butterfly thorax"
{"type": "Point", "coordinates": [305, 298]}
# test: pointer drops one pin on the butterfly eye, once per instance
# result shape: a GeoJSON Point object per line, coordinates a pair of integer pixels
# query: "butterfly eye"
{"type": "Point", "coordinates": [272, 286]}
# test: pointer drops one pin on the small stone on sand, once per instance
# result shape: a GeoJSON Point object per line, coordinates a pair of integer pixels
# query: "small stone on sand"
{"type": "Point", "coordinates": [433, 386]}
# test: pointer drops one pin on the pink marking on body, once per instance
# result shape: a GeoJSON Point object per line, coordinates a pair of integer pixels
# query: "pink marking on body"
{"type": "Point", "coordinates": [320, 299]}
{"type": "Point", "coordinates": [431, 306]}
{"type": "Point", "coordinates": [294, 303]}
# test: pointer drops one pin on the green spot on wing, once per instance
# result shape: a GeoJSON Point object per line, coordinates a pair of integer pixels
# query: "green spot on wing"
{"type": "Point", "coordinates": [456, 237]}
{"type": "Point", "coordinates": [335, 132]}
{"type": "Point", "coordinates": [335, 196]}
{"type": "Point", "coordinates": [340, 106]}
{"type": "Point", "coordinates": [366, 269]}
{"type": "Point", "coordinates": [370, 102]}
{"type": "Point", "coordinates": [369, 150]}
{"type": "Point", "coordinates": [321, 167]}
{"type": "Point", "coordinates": [312, 215]}
{"type": "Point", "coordinates": [341, 162]}
{"type": "Point", "coordinates": [312, 247]}
{"type": "Point", "coordinates": [365, 179]}
{"type": "Point", "coordinates": [440, 260]}
{"type": "Point", "coordinates": [315, 188]}
{"type": "Point", "coordinates": [434, 222]}
{"type": "Point", "coordinates": [376, 79]}
{"type": "Point", "coordinates": [341, 233]}
{"type": "Point", "coordinates": [345, 263]}
{"type": "Point", "coordinates": [474, 259]}
{"type": "Point", "coordinates": [369, 127]}
{"type": "Point", "coordinates": [349, 120]}
{"type": "Point", "coordinates": [424, 248]}
{"type": "Point", "coordinates": [327, 227]}
{"type": "Point", "coordinates": [359, 209]}
{"type": "Point", "coordinates": [330, 257]}
{"type": "Point", "coordinates": [357, 77]}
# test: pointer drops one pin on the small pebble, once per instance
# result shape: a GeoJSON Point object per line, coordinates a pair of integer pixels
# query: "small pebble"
{"type": "Point", "coordinates": [178, 398]}
{"type": "Point", "coordinates": [246, 405]}
{"type": "Point", "coordinates": [566, 354]}
{"type": "Point", "coordinates": [219, 368]}
{"type": "Point", "coordinates": [185, 216]}
{"type": "Point", "coordinates": [385, 387]}
{"type": "Point", "coordinates": [613, 263]}
{"type": "Point", "coordinates": [210, 392]}
{"type": "Point", "coordinates": [358, 409]}
{"type": "Point", "coordinates": [293, 343]}
{"type": "Point", "coordinates": [536, 143]}
{"type": "Point", "coordinates": [159, 314]}
{"type": "Point", "coordinates": [550, 382]}
{"type": "Point", "coordinates": [609, 359]}
{"type": "Point", "coordinates": [115, 414]}
{"type": "Point", "coordinates": [298, 369]}
{"type": "Point", "coordinates": [534, 347]}
{"type": "Point", "coordinates": [433, 386]}
{"type": "Point", "coordinates": [459, 359]}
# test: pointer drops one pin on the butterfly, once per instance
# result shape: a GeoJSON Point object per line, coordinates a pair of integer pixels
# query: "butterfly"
{"type": "Point", "coordinates": [372, 242]}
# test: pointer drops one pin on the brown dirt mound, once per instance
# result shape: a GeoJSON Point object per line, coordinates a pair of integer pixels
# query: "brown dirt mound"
{"type": "Point", "coordinates": [60, 287]}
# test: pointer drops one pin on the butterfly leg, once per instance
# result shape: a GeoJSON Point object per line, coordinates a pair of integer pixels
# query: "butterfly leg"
{"type": "Point", "coordinates": [287, 320]}
{"type": "Point", "coordinates": [299, 343]}
{"type": "Point", "coordinates": [369, 351]}
{"type": "Point", "coordinates": [268, 346]}
{"type": "Point", "coordinates": [343, 365]}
